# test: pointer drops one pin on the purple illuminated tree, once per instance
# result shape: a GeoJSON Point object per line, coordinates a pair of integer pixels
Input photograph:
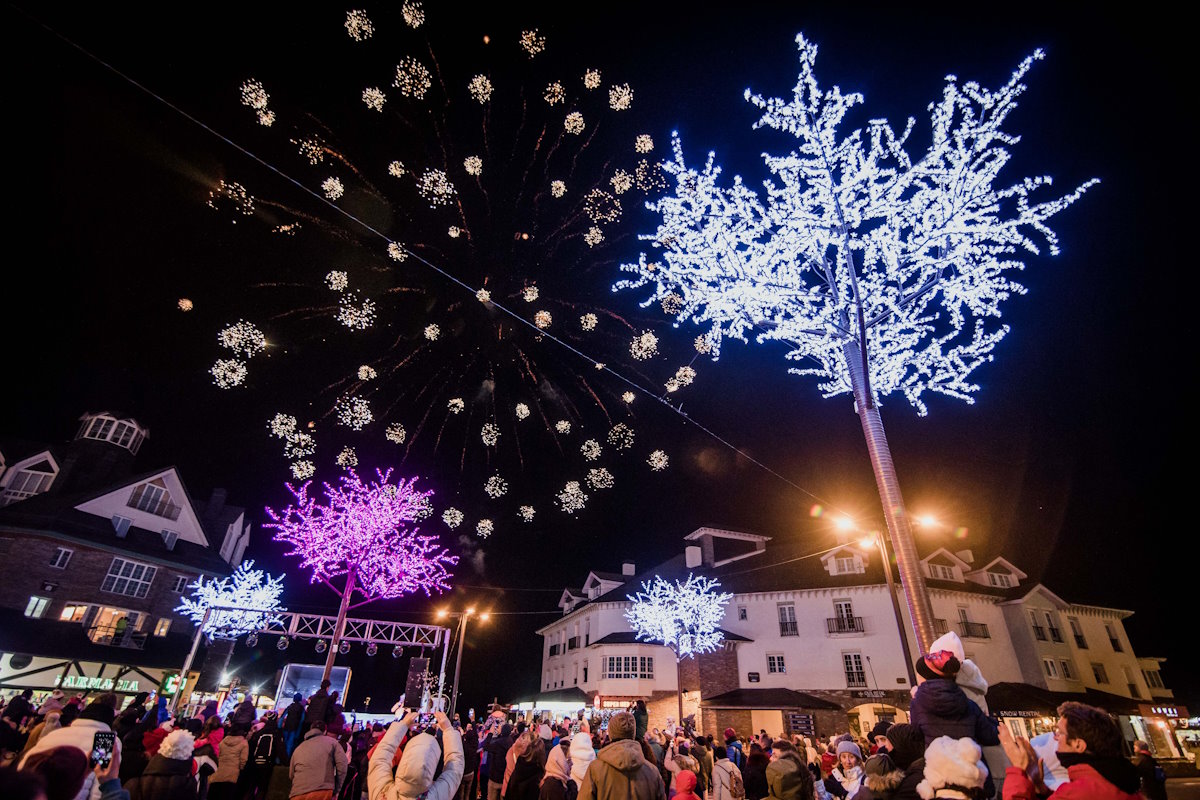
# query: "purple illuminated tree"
{"type": "Point", "coordinates": [366, 536]}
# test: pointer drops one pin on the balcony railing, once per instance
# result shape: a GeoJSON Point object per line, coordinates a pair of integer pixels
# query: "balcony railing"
{"type": "Point", "coordinates": [117, 637]}
{"type": "Point", "coordinates": [143, 500]}
{"type": "Point", "coordinates": [1056, 635]}
{"type": "Point", "coordinates": [1080, 642]}
{"type": "Point", "coordinates": [975, 630]}
{"type": "Point", "coordinates": [844, 625]}
{"type": "Point", "coordinates": [1039, 633]}
{"type": "Point", "coordinates": [940, 627]}
{"type": "Point", "coordinates": [573, 643]}
{"type": "Point", "coordinates": [788, 628]}
{"type": "Point", "coordinates": [856, 680]}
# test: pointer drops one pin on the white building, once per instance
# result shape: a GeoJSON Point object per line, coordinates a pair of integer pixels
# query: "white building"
{"type": "Point", "coordinates": [813, 640]}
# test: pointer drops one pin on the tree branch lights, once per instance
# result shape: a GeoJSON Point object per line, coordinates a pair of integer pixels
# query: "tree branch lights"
{"type": "Point", "coordinates": [365, 531]}
{"type": "Point", "coordinates": [682, 615]}
{"type": "Point", "coordinates": [883, 271]}
{"type": "Point", "coordinates": [252, 591]}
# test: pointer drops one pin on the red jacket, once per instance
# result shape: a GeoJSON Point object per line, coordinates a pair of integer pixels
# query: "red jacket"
{"type": "Point", "coordinates": [1085, 784]}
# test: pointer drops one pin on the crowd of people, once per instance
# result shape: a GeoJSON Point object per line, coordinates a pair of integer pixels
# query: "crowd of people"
{"type": "Point", "coordinates": [950, 748]}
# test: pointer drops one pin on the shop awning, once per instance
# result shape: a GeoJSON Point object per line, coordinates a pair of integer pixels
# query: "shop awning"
{"type": "Point", "coordinates": [1023, 699]}
{"type": "Point", "coordinates": [572, 695]}
{"type": "Point", "coordinates": [769, 699]}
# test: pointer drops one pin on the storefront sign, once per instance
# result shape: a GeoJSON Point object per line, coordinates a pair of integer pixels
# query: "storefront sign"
{"type": "Point", "coordinates": [1032, 714]}
{"type": "Point", "coordinates": [619, 703]}
{"type": "Point", "coordinates": [752, 677]}
{"type": "Point", "coordinates": [1172, 712]}
{"type": "Point", "coordinates": [869, 694]}
{"type": "Point", "coordinates": [95, 684]}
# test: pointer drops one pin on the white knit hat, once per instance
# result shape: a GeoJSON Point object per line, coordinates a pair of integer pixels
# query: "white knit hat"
{"type": "Point", "coordinates": [952, 764]}
{"type": "Point", "coordinates": [177, 744]}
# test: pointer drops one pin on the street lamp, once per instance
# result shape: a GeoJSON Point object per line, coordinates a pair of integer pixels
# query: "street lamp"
{"type": "Point", "coordinates": [463, 616]}
{"type": "Point", "coordinates": [891, 585]}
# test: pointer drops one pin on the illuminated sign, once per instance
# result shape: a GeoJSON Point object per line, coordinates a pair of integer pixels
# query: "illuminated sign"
{"type": "Point", "coordinates": [95, 684]}
{"type": "Point", "coordinates": [1173, 712]}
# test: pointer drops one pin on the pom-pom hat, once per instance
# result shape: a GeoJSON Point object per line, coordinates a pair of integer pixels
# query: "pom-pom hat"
{"type": "Point", "coordinates": [953, 768]}
{"type": "Point", "coordinates": [938, 664]}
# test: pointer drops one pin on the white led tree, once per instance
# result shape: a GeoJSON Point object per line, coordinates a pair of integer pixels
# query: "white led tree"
{"type": "Point", "coordinates": [682, 616]}
{"type": "Point", "coordinates": [881, 271]}
{"type": "Point", "coordinates": [252, 592]}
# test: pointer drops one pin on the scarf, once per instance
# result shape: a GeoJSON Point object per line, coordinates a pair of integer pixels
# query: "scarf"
{"type": "Point", "coordinates": [1114, 769]}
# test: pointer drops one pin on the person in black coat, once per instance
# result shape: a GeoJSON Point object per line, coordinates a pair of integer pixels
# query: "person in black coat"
{"type": "Point", "coordinates": [131, 716]}
{"type": "Point", "coordinates": [497, 749]}
{"type": "Point", "coordinates": [168, 776]}
{"type": "Point", "coordinates": [907, 752]}
{"type": "Point", "coordinates": [468, 788]}
{"type": "Point", "coordinates": [754, 774]}
{"type": "Point", "coordinates": [528, 769]}
{"type": "Point", "coordinates": [265, 749]}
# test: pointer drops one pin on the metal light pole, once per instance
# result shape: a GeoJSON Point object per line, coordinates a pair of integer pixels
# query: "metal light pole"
{"type": "Point", "coordinates": [462, 643]}
{"type": "Point", "coordinates": [891, 589]}
{"type": "Point", "coordinates": [187, 664]}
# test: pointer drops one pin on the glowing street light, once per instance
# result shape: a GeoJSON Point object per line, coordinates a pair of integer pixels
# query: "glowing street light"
{"type": "Point", "coordinates": [463, 616]}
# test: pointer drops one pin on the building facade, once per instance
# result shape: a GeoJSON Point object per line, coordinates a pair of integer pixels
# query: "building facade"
{"type": "Point", "coordinates": [813, 645]}
{"type": "Point", "coordinates": [95, 556]}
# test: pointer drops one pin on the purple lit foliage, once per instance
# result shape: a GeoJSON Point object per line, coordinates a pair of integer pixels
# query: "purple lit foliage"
{"type": "Point", "coordinates": [366, 533]}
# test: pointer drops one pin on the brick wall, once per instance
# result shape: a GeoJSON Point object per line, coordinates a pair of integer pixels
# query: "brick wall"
{"type": "Point", "coordinates": [26, 568]}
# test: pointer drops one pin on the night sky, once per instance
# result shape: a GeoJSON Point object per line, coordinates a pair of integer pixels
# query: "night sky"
{"type": "Point", "coordinates": [1065, 464]}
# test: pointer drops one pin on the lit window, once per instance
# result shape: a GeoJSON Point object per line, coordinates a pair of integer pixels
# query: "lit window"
{"type": "Point", "coordinates": [128, 578]}
{"type": "Point", "coordinates": [775, 664]}
{"type": "Point", "coordinates": [73, 612]}
{"type": "Point", "coordinates": [62, 557]}
{"type": "Point", "coordinates": [36, 607]}
{"type": "Point", "coordinates": [162, 626]}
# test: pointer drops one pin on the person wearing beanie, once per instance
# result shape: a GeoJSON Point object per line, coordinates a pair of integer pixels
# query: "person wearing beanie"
{"type": "Point", "coordinates": [414, 775]}
{"type": "Point", "coordinates": [908, 755]}
{"type": "Point", "coordinates": [845, 778]}
{"type": "Point", "coordinates": [733, 747]}
{"type": "Point", "coordinates": [62, 770]}
{"type": "Point", "coordinates": [620, 771]}
{"type": "Point", "coordinates": [954, 768]}
{"type": "Point", "coordinates": [97, 717]}
{"type": "Point", "coordinates": [878, 736]}
{"type": "Point", "coordinates": [1090, 746]}
{"type": "Point", "coordinates": [881, 779]}
{"type": "Point", "coordinates": [171, 773]}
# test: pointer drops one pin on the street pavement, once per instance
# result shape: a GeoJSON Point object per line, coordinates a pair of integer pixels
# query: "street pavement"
{"type": "Point", "coordinates": [1183, 788]}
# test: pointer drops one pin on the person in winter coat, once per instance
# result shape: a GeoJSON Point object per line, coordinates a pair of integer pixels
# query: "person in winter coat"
{"type": "Point", "coordinates": [235, 752]}
{"type": "Point", "coordinates": [907, 753]}
{"type": "Point", "coordinates": [620, 771]}
{"type": "Point", "coordinates": [954, 768]}
{"type": "Point", "coordinates": [846, 777]}
{"type": "Point", "coordinates": [788, 777]}
{"type": "Point", "coordinates": [1089, 746]}
{"type": "Point", "coordinates": [733, 748]}
{"type": "Point", "coordinates": [754, 776]}
{"type": "Point", "coordinates": [881, 779]}
{"type": "Point", "coordinates": [53, 702]}
{"type": "Point", "coordinates": [678, 758]}
{"type": "Point", "coordinates": [724, 773]}
{"type": "Point", "coordinates": [267, 749]}
{"type": "Point", "coordinates": [525, 781]}
{"type": "Point", "coordinates": [467, 789]}
{"type": "Point", "coordinates": [641, 718]}
{"type": "Point", "coordinates": [318, 766]}
{"type": "Point", "coordinates": [685, 785]}
{"type": "Point", "coordinates": [497, 755]}
{"type": "Point", "coordinates": [293, 721]}
{"type": "Point", "coordinates": [61, 769]}
{"type": "Point", "coordinates": [170, 775]}
{"type": "Point", "coordinates": [556, 782]}
{"type": "Point", "coordinates": [704, 756]}
{"type": "Point", "coordinates": [1152, 787]}
{"type": "Point", "coordinates": [98, 716]}
{"type": "Point", "coordinates": [414, 774]}
{"type": "Point", "coordinates": [52, 722]}
{"type": "Point", "coordinates": [131, 716]}
{"type": "Point", "coordinates": [318, 706]}
{"type": "Point", "coordinates": [244, 713]}
{"type": "Point", "coordinates": [581, 753]}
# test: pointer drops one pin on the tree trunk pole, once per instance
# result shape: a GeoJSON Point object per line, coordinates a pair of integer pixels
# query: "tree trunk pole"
{"type": "Point", "coordinates": [339, 627]}
{"type": "Point", "coordinates": [679, 685]}
{"type": "Point", "coordinates": [895, 514]}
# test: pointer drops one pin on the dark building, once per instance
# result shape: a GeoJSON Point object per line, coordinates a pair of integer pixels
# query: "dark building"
{"type": "Point", "coordinates": [94, 557]}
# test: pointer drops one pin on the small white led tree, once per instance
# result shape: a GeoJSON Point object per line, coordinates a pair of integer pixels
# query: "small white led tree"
{"type": "Point", "coordinates": [882, 272]}
{"type": "Point", "coordinates": [253, 592]}
{"type": "Point", "coordinates": [683, 616]}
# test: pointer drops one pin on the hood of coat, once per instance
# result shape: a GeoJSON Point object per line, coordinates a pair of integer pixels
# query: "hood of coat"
{"type": "Point", "coordinates": [973, 684]}
{"type": "Point", "coordinates": [417, 765]}
{"type": "Point", "coordinates": [685, 781]}
{"type": "Point", "coordinates": [624, 755]}
{"type": "Point", "coordinates": [312, 734]}
{"type": "Point", "coordinates": [886, 782]}
{"type": "Point", "coordinates": [161, 765]}
{"type": "Point", "coordinates": [943, 698]}
{"type": "Point", "coordinates": [557, 765]}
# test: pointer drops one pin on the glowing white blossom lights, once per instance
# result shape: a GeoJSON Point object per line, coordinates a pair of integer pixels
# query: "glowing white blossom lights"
{"type": "Point", "coordinates": [681, 615]}
{"type": "Point", "coordinates": [252, 592]}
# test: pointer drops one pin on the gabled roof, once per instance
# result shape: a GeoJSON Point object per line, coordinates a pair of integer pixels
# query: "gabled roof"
{"type": "Point", "coordinates": [723, 533]}
{"type": "Point", "coordinates": [958, 562]}
{"type": "Point", "coordinates": [1023, 594]}
{"type": "Point", "coordinates": [1004, 562]}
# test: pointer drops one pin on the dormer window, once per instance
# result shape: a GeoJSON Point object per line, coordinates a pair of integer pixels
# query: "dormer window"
{"type": "Point", "coordinates": [847, 565]}
{"type": "Point", "coordinates": [106, 428]}
{"type": "Point", "coordinates": [942, 572]}
{"type": "Point", "coordinates": [28, 481]}
{"type": "Point", "coordinates": [999, 579]}
{"type": "Point", "coordinates": [154, 498]}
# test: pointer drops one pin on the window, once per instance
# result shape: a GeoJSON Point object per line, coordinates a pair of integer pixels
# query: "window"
{"type": "Point", "coordinates": [627, 667]}
{"type": "Point", "coordinates": [28, 482]}
{"type": "Point", "coordinates": [775, 664]}
{"type": "Point", "coordinates": [787, 620]}
{"type": "Point", "coordinates": [856, 676]}
{"type": "Point", "coordinates": [1066, 670]}
{"type": "Point", "coordinates": [847, 565]}
{"type": "Point", "coordinates": [36, 607]}
{"type": "Point", "coordinates": [1055, 633]}
{"type": "Point", "coordinates": [1051, 667]}
{"type": "Point", "coordinates": [163, 626]}
{"type": "Point", "coordinates": [999, 579]}
{"type": "Point", "coordinates": [742, 613]}
{"type": "Point", "coordinates": [128, 578]}
{"type": "Point", "coordinates": [170, 538]}
{"type": "Point", "coordinates": [180, 585]}
{"type": "Point", "coordinates": [153, 499]}
{"type": "Point", "coordinates": [1112, 637]}
{"type": "Point", "coordinates": [1153, 678]}
{"type": "Point", "coordinates": [73, 612]}
{"type": "Point", "coordinates": [61, 557]}
{"type": "Point", "coordinates": [1077, 632]}
{"type": "Point", "coordinates": [1130, 683]}
{"type": "Point", "coordinates": [1039, 632]}
{"type": "Point", "coordinates": [585, 667]}
{"type": "Point", "coordinates": [941, 572]}
{"type": "Point", "coordinates": [121, 525]}
{"type": "Point", "coordinates": [1099, 673]}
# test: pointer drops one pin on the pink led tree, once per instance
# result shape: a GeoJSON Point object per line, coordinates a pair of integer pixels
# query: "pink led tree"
{"type": "Point", "coordinates": [366, 535]}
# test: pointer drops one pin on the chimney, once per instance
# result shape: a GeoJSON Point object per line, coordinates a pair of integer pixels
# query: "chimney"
{"type": "Point", "coordinates": [966, 555]}
{"type": "Point", "coordinates": [691, 556]}
{"type": "Point", "coordinates": [628, 569]}
{"type": "Point", "coordinates": [216, 504]}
